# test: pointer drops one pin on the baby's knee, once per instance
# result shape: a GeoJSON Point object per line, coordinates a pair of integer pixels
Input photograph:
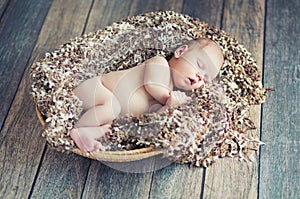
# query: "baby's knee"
{"type": "Point", "coordinates": [111, 110]}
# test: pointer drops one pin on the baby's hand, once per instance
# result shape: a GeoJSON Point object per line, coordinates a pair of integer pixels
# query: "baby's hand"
{"type": "Point", "coordinates": [176, 98]}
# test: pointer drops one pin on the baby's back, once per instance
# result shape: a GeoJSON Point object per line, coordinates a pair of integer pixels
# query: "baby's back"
{"type": "Point", "coordinates": [128, 87]}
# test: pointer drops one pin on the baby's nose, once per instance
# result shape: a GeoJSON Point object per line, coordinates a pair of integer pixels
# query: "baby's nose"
{"type": "Point", "coordinates": [199, 77]}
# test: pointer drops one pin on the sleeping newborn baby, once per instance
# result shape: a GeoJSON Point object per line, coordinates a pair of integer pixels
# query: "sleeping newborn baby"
{"type": "Point", "coordinates": [148, 87]}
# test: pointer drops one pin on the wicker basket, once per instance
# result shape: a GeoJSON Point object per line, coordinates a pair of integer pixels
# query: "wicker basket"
{"type": "Point", "coordinates": [114, 156]}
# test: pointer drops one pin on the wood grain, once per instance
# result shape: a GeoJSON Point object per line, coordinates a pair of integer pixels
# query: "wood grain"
{"type": "Point", "coordinates": [104, 182]}
{"type": "Point", "coordinates": [20, 145]}
{"type": "Point", "coordinates": [208, 11]}
{"type": "Point", "coordinates": [244, 20]}
{"type": "Point", "coordinates": [177, 181]}
{"type": "Point", "coordinates": [28, 169]}
{"type": "Point", "coordinates": [3, 6]}
{"type": "Point", "coordinates": [60, 176]}
{"type": "Point", "coordinates": [118, 180]}
{"type": "Point", "coordinates": [65, 19]}
{"type": "Point", "coordinates": [280, 168]}
{"type": "Point", "coordinates": [180, 181]}
{"type": "Point", "coordinates": [141, 6]}
{"type": "Point", "coordinates": [106, 12]}
{"type": "Point", "coordinates": [19, 29]}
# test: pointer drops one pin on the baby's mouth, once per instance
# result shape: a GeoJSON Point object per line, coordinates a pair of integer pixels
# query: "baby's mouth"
{"type": "Point", "coordinates": [189, 81]}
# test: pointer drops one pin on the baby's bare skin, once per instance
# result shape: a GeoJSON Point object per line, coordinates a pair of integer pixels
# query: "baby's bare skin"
{"type": "Point", "coordinates": [147, 87]}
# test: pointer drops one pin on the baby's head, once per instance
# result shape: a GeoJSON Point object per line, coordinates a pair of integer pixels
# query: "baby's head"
{"type": "Point", "coordinates": [195, 63]}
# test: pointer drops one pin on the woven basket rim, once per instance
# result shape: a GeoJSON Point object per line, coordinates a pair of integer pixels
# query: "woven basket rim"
{"type": "Point", "coordinates": [112, 156]}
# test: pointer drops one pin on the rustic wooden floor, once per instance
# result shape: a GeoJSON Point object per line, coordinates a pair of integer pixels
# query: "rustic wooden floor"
{"type": "Point", "coordinates": [29, 169]}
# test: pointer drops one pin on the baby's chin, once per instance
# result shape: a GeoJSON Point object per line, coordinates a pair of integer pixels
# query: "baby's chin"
{"type": "Point", "coordinates": [180, 84]}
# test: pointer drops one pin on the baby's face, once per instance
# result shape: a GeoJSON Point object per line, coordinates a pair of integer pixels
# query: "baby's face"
{"type": "Point", "coordinates": [196, 66]}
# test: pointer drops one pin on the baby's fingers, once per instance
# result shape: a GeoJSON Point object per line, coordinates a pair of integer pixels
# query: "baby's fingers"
{"type": "Point", "coordinates": [188, 98]}
{"type": "Point", "coordinates": [181, 97]}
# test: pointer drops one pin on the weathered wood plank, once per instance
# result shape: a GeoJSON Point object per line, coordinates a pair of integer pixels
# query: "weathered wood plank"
{"type": "Point", "coordinates": [180, 181]}
{"type": "Point", "coordinates": [230, 178]}
{"type": "Point", "coordinates": [177, 181]}
{"type": "Point", "coordinates": [208, 11]}
{"type": "Point", "coordinates": [3, 6]}
{"type": "Point", "coordinates": [21, 148]}
{"type": "Point", "coordinates": [280, 168]}
{"type": "Point", "coordinates": [20, 26]}
{"type": "Point", "coordinates": [141, 6]}
{"type": "Point", "coordinates": [104, 182]}
{"type": "Point", "coordinates": [21, 141]}
{"type": "Point", "coordinates": [119, 180]}
{"type": "Point", "coordinates": [19, 137]}
{"type": "Point", "coordinates": [105, 12]}
{"type": "Point", "coordinates": [61, 176]}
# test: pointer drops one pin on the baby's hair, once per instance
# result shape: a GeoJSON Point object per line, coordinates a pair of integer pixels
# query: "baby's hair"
{"type": "Point", "coordinates": [204, 42]}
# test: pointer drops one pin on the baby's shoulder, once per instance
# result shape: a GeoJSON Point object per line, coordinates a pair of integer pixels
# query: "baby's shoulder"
{"type": "Point", "coordinates": [158, 59]}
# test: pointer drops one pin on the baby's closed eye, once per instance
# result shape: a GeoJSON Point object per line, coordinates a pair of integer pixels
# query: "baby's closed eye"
{"type": "Point", "coordinates": [201, 64]}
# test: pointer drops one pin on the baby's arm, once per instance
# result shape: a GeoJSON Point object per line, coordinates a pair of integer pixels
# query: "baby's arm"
{"type": "Point", "coordinates": [157, 79]}
{"type": "Point", "coordinates": [176, 98]}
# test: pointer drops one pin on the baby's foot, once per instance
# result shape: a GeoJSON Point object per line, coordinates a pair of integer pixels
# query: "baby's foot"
{"type": "Point", "coordinates": [86, 138]}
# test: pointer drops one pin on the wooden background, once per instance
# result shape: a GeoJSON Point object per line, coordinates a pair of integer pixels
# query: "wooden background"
{"type": "Point", "coordinates": [29, 169]}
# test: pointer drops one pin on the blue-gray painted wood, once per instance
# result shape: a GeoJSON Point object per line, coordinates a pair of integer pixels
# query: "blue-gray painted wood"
{"type": "Point", "coordinates": [280, 157]}
{"type": "Point", "coordinates": [19, 30]}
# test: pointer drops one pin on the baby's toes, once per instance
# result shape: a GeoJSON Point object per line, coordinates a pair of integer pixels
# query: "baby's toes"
{"type": "Point", "coordinates": [78, 141]}
{"type": "Point", "coordinates": [187, 99]}
{"type": "Point", "coordinates": [91, 149]}
{"type": "Point", "coordinates": [97, 146]}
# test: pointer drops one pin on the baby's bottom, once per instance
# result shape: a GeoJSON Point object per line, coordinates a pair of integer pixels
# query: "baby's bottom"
{"type": "Point", "coordinates": [101, 109]}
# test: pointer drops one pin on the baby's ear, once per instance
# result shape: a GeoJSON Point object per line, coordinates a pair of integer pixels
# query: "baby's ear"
{"type": "Point", "coordinates": [179, 51]}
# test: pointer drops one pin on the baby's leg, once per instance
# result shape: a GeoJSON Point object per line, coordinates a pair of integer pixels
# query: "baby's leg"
{"type": "Point", "coordinates": [100, 115]}
{"type": "Point", "coordinates": [92, 93]}
{"type": "Point", "coordinates": [86, 138]}
{"type": "Point", "coordinates": [100, 104]}
{"type": "Point", "coordinates": [102, 107]}
{"type": "Point", "coordinates": [93, 124]}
